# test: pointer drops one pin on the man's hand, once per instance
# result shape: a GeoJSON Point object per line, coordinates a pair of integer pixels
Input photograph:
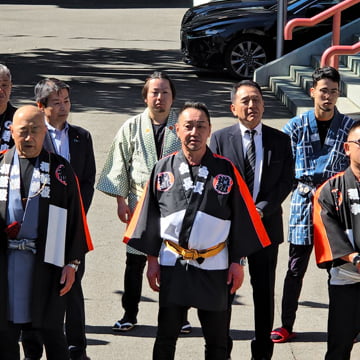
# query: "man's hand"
{"type": "Point", "coordinates": [67, 278]}
{"type": "Point", "coordinates": [235, 276]}
{"type": "Point", "coordinates": [153, 273]}
{"type": "Point", "coordinates": [124, 212]}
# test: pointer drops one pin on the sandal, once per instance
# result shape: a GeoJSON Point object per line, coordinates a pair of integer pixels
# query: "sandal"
{"type": "Point", "coordinates": [186, 328]}
{"type": "Point", "coordinates": [281, 335]}
{"type": "Point", "coordinates": [123, 325]}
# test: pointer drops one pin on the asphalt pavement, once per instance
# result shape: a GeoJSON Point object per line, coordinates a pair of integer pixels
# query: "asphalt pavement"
{"type": "Point", "coordinates": [105, 50]}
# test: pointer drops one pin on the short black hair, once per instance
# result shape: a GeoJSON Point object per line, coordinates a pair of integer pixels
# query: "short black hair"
{"type": "Point", "coordinates": [196, 105]}
{"type": "Point", "coordinates": [353, 127]}
{"type": "Point", "coordinates": [158, 75]}
{"type": "Point", "coordinates": [244, 83]}
{"type": "Point", "coordinates": [47, 86]}
{"type": "Point", "coordinates": [326, 72]}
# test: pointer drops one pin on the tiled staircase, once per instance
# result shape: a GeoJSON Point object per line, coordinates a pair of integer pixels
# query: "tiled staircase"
{"type": "Point", "coordinates": [293, 88]}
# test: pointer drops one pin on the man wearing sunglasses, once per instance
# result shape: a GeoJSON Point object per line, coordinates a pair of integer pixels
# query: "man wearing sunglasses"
{"type": "Point", "coordinates": [337, 247]}
{"type": "Point", "coordinates": [317, 138]}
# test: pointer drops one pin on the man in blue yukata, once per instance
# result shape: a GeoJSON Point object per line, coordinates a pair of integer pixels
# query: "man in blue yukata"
{"type": "Point", "coordinates": [317, 138]}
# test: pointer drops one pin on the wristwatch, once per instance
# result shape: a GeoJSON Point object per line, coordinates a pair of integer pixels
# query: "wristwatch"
{"type": "Point", "coordinates": [74, 264]}
{"type": "Point", "coordinates": [356, 260]}
{"type": "Point", "coordinates": [243, 261]}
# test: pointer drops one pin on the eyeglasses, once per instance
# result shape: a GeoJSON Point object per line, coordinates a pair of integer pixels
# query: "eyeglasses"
{"type": "Point", "coordinates": [357, 142]}
{"type": "Point", "coordinates": [332, 92]}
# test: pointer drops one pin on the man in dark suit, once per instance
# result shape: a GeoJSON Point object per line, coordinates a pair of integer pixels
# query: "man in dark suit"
{"type": "Point", "coordinates": [74, 144]}
{"type": "Point", "coordinates": [268, 172]}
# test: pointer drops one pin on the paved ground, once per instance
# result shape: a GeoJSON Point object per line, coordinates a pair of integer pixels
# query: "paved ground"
{"type": "Point", "coordinates": [105, 54]}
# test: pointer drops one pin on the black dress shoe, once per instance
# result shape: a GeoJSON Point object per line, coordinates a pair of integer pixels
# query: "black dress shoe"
{"type": "Point", "coordinates": [79, 355]}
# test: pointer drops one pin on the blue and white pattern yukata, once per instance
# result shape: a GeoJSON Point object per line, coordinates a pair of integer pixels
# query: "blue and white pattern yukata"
{"type": "Point", "coordinates": [314, 164]}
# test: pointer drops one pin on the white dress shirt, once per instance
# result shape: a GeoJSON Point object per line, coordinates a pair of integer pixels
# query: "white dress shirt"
{"type": "Point", "coordinates": [60, 140]}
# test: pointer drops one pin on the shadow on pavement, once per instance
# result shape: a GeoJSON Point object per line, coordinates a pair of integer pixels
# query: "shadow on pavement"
{"type": "Point", "coordinates": [146, 331]}
{"type": "Point", "coordinates": [310, 336]}
{"type": "Point", "coordinates": [110, 80]}
{"type": "Point", "coordinates": [142, 299]}
{"type": "Point", "coordinates": [104, 79]}
{"type": "Point", "coordinates": [314, 304]}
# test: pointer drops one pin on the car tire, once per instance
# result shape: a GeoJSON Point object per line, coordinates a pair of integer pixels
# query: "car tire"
{"type": "Point", "coordinates": [245, 54]}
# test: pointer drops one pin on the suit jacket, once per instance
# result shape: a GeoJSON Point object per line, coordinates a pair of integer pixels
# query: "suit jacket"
{"type": "Point", "coordinates": [277, 171]}
{"type": "Point", "coordinates": [82, 160]}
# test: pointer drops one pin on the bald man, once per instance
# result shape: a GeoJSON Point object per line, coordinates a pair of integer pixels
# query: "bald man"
{"type": "Point", "coordinates": [43, 233]}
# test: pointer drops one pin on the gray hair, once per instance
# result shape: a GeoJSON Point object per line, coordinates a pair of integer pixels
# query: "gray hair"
{"type": "Point", "coordinates": [47, 86]}
{"type": "Point", "coordinates": [4, 71]}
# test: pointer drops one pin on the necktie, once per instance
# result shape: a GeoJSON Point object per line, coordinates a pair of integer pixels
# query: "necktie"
{"type": "Point", "coordinates": [250, 161]}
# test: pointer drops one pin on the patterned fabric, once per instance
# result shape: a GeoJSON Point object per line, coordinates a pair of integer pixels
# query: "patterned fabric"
{"type": "Point", "coordinates": [218, 197]}
{"type": "Point", "coordinates": [337, 226]}
{"type": "Point", "coordinates": [314, 164]}
{"type": "Point", "coordinates": [6, 140]}
{"type": "Point", "coordinates": [250, 161]}
{"type": "Point", "coordinates": [59, 191]}
{"type": "Point", "coordinates": [132, 157]}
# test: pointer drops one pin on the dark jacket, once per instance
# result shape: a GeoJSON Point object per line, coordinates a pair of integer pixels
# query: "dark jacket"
{"type": "Point", "coordinates": [277, 171]}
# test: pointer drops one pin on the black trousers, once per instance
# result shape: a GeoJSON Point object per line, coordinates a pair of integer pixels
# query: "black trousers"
{"type": "Point", "coordinates": [343, 321]}
{"type": "Point", "coordinates": [54, 341]}
{"type": "Point", "coordinates": [214, 325]}
{"type": "Point", "coordinates": [133, 279]}
{"type": "Point", "coordinates": [74, 324]}
{"type": "Point", "coordinates": [299, 256]}
{"type": "Point", "coordinates": [262, 268]}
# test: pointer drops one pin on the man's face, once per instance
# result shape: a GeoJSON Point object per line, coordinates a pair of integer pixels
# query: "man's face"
{"type": "Point", "coordinates": [193, 130]}
{"type": "Point", "coordinates": [5, 89]}
{"type": "Point", "coordinates": [28, 131]}
{"type": "Point", "coordinates": [159, 96]}
{"type": "Point", "coordinates": [325, 95]}
{"type": "Point", "coordinates": [352, 147]}
{"type": "Point", "coordinates": [58, 107]}
{"type": "Point", "coordinates": [248, 106]}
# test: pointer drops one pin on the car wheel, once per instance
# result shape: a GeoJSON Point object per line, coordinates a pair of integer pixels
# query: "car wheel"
{"type": "Point", "coordinates": [244, 55]}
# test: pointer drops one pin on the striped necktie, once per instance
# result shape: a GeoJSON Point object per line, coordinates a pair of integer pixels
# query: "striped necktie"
{"type": "Point", "coordinates": [250, 161]}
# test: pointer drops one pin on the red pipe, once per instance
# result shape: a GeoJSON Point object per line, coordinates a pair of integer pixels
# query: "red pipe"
{"type": "Point", "coordinates": [335, 12]}
{"type": "Point", "coordinates": [339, 50]}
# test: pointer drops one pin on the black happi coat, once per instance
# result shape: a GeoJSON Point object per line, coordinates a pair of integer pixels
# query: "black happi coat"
{"type": "Point", "coordinates": [337, 219]}
{"type": "Point", "coordinates": [47, 306]}
{"type": "Point", "coordinates": [6, 140]}
{"type": "Point", "coordinates": [223, 212]}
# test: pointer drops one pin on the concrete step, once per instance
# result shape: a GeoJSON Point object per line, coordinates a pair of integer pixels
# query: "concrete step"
{"type": "Point", "coordinates": [301, 75]}
{"type": "Point", "coordinates": [294, 90]}
{"type": "Point", "coordinates": [352, 62]}
{"type": "Point", "coordinates": [350, 85]}
{"type": "Point", "coordinates": [346, 106]}
{"type": "Point", "coordinates": [290, 94]}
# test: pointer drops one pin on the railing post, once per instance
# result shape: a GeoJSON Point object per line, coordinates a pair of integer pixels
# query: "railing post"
{"type": "Point", "coordinates": [281, 19]}
{"type": "Point", "coordinates": [334, 61]}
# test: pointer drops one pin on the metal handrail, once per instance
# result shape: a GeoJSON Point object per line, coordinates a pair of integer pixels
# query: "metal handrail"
{"type": "Point", "coordinates": [336, 50]}
{"type": "Point", "coordinates": [335, 12]}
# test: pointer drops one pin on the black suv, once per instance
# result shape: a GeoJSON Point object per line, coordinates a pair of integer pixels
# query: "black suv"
{"type": "Point", "coordinates": [240, 36]}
